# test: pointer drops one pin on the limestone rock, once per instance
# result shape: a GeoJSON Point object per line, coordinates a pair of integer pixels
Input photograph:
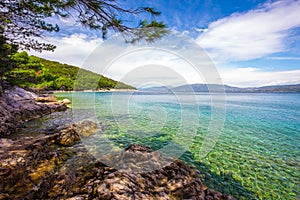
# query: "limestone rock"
{"type": "Point", "coordinates": [46, 98]}
{"type": "Point", "coordinates": [68, 137]}
{"type": "Point", "coordinates": [66, 101]}
{"type": "Point", "coordinates": [86, 128]}
{"type": "Point", "coordinates": [71, 135]}
{"type": "Point", "coordinates": [18, 105]}
{"type": "Point", "coordinates": [48, 167]}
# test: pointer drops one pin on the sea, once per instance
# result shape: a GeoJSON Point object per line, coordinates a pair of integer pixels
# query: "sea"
{"type": "Point", "coordinates": [243, 144]}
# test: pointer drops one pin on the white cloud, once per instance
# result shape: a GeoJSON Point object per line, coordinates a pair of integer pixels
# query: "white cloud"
{"type": "Point", "coordinates": [248, 69]}
{"type": "Point", "coordinates": [152, 65]}
{"type": "Point", "coordinates": [249, 77]}
{"type": "Point", "coordinates": [283, 58]}
{"type": "Point", "coordinates": [72, 49]}
{"type": "Point", "coordinates": [170, 61]}
{"type": "Point", "coordinates": [254, 34]}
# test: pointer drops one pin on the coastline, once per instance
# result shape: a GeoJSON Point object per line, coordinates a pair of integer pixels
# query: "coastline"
{"type": "Point", "coordinates": [31, 166]}
{"type": "Point", "coordinates": [102, 90]}
{"type": "Point", "coordinates": [18, 106]}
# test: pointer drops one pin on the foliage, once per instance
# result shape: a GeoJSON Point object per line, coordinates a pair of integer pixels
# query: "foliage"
{"type": "Point", "coordinates": [5, 51]}
{"type": "Point", "coordinates": [38, 73]}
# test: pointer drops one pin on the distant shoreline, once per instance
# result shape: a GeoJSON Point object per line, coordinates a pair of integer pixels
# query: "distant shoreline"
{"type": "Point", "coordinates": [197, 87]}
{"type": "Point", "coordinates": [177, 92]}
{"type": "Point", "coordinates": [101, 90]}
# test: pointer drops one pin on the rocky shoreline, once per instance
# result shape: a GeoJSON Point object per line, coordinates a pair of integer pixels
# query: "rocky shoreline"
{"type": "Point", "coordinates": [57, 166]}
{"type": "Point", "coordinates": [18, 106]}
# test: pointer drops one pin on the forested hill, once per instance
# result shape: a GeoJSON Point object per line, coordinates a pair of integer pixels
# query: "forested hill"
{"type": "Point", "coordinates": [37, 73]}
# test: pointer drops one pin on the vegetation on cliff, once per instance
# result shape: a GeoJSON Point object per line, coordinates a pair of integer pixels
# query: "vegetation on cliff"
{"type": "Point", "coordinates": [38, 73]}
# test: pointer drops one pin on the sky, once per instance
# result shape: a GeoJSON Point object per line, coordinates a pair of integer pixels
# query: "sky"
{"type": "Point", "coordinates": [249, 42]}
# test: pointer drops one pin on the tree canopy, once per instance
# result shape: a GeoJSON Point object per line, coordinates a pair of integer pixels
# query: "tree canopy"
{"type": "Point", "coordinates": [23, 21]}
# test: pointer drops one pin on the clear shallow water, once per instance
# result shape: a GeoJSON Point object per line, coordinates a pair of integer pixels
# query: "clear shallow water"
{"type": "Point", "coordinates": [256, 155]}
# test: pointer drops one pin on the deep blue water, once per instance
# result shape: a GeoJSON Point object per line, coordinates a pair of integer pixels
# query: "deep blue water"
{"type": "Point", "coordinates": [247, 146]}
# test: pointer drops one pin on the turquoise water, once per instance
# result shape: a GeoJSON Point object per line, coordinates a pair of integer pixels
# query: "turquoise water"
{"type": "Point", "coordinates": [254, 154]}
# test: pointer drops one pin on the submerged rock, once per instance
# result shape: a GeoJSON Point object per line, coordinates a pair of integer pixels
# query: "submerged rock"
{"type": "Point", "coordinates": [49, 167]}
{"type": "Point", "coordinates": [71, 135]}
{"type": "Point", "coordinates": [68, 137]}
{"type": "Point", "coordinates": [18, 105]}
{"type": "Point", "coordinates": [176, 180]}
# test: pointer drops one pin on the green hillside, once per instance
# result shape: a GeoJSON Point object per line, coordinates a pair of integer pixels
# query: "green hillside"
{"type": "Point", "coordinates": [42, 74]}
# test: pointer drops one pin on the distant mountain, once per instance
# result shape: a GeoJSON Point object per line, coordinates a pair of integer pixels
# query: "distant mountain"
{"type": "Point", "coordinates": [276, 88]}
{"type": "Point", "coordinates": [156, 89]}
{"type": "Point", "coordinates": [204, 88]}
{"type": "Point", "coordinates": [220, 88]}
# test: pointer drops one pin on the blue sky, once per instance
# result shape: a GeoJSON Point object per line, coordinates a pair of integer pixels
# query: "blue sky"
{"type": "Point", "coordinates": [251, 42]}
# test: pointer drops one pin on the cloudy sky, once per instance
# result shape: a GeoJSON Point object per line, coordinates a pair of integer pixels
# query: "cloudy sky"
{"type": "Point", "coordinates": [251, 42]}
